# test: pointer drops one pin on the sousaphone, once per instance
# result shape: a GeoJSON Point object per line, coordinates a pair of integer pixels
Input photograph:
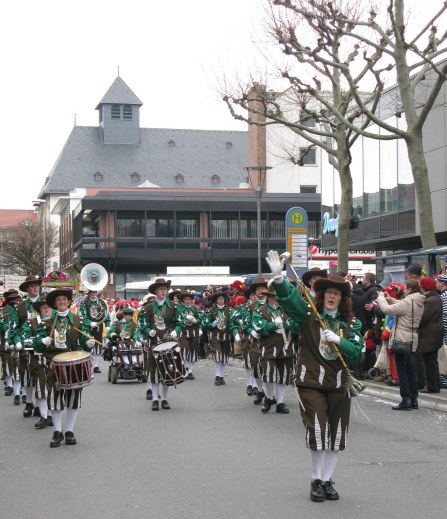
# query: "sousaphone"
{"type": "Point", "coordinates": [94, 277]}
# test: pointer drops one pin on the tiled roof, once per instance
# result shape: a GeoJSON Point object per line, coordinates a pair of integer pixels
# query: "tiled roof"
{"type": "Point", "coordinates": [119, 93]}
{"type": "Point", "coordinates": [12, 217]}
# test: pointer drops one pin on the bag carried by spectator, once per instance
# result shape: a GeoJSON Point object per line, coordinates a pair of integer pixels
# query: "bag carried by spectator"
{"type": "Point", "coordinates": [382, 359]}
{"type": "Point", "coordinates": [404, 347]}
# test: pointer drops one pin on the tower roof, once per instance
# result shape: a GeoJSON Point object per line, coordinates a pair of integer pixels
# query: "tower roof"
{"type": "Point", "coordinates": [119, 93]}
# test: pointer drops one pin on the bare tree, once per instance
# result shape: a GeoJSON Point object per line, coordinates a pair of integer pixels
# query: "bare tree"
{"type": "Point", "coordinates": [313, 35]}
{"type": "Point", "coordinates": [22, 248]}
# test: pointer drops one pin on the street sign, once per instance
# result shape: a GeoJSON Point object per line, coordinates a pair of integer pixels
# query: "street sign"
{"type": "Point", "coordinates": [296, 239]}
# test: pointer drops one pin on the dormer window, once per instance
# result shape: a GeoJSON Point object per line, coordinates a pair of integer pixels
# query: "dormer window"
{"type": "Point", "coordinates": [228, 145]}
{"type": "Point", "coordinates": [99, 177]}
{"type": "Point", "coordinates": [180, 179]}
{"type": "Point", "coordinates": [171, 143]}
{"type": "Point", "coordinates": [135, 177]}
{"type": "Point", "coordinates": [127, 112]}
{"type": "Point", "coordinates": [215, 179]}
{"type": "Point", "coordinates": [116, 112]}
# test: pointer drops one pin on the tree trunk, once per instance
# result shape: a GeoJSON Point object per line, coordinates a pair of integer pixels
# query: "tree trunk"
{"type": "Point", "coordinates": [344, 221]}
{"type": "Point", "coordinates": [422, 187]}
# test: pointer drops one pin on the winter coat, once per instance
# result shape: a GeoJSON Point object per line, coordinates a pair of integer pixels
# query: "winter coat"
{"type": "Point", "coordinates": [431, 327]}
{"type": "Point", "coordinates": [408, 312]}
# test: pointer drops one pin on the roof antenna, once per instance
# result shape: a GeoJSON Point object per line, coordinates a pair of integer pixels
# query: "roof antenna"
{"type": "Point", "coordinates": [75, 120]}
{"type": "Point", "coordinates": [118, 67]}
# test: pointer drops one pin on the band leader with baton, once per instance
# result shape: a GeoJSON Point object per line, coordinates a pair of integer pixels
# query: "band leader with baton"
{"type": "Point", "coordinates": [330, 339]}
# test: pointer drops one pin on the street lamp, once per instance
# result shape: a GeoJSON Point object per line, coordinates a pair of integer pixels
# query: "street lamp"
{"type": "Point", "coordinates": [257, 178]}
{"type": "Point", "coordinates": [36, 204]}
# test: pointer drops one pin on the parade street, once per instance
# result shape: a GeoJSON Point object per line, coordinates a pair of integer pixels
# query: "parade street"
{"type": "Point", "coordinates": [215, 455]}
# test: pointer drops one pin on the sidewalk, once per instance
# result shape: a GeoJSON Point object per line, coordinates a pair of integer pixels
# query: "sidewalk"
{"type": "Point", "coordinates": [435, 401]}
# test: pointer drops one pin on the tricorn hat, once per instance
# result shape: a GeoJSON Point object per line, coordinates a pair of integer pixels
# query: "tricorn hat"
{"type": "Point", "coordinates": [38, 304]}
{"type": "Point", "coordinates": [259, 281]}
{"type": "Point", "coordinates": [333, 281]}
{"type": "Point", "coordinates": [184, 294]}
{"type": "Point", "coordinates": [270, 292]}
{"type": "Point", "coordinates": [174, 293]}
{"type": "Point", "coordinates": [159, 282]}
{"type": "Point", "coordinates": [217, 294]}
{"type": "Point", "coordinates": [51, 296]}
{"type": "Point", "coordinates": [314, 271]}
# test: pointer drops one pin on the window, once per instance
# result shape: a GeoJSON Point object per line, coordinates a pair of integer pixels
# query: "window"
{"type": "Point", "coordinates": [135, 177]}
{"type": "Point", "coordinates": [160, 227]}
{"type": "Point", "coordinates": [228, 145]}
{"type": "Point", "coordinates": [187, 228]}
{"type": "Point", "coordinates": [130, 227]}
{"type": "Point", "coordinates": [277, 229]}
{"type": "Point", "coordinates": [99, 177]}
{"type": "Point", "coordinates": [308, 189]}
{"type": "Point", "coordinates": [224, 229]}
{"type": "Point", "coordinates": [116, 112]}
{"type": "Point", "coordinates": [308, 157]}
{"type": "Point", "coordinates": [179, 179]}
{"type": "Point", "coordinates": [127, 112]}
{"type": "Point", "coordinates": [308, 121]}
{"type": "Point", "coordinates": [171, 143]}
{"type": "Point", "coordinates": [215, 179]}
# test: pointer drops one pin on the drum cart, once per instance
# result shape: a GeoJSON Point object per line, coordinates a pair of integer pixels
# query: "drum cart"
{"type": "Point", "coordinates": [121, 365]}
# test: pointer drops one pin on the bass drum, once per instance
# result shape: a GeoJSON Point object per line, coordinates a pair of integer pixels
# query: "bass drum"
{"type": "Point", "coordinates": [169, 361]}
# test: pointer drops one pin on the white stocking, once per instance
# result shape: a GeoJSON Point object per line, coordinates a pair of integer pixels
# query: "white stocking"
{"type": "Point", "coordinates": [8, 379]}
{"type": "Point", "coordinates": [330, 460]}
{"type": "Point", "coordinates": [164, 391]}
{"type": "Point", "coordinates": [280, 392]}
{"type": "Point", "coordinates": [29, 395]}
{"type": "Point", "coordinates": [71, 419]}
{"type": "Point", "coordinates": [57, 420]}
{"type": "Point", "coordinates": [155, 389]}
{"type": "Point", "coordinates": [191, 367]}
{"type": "Point", "coordinates": [317, 458]}
{"type": "Point", "coordinates": [249, 375]}
{"type": "Point", "coordinates": [16, 387]}
{"type": "Point", "coordinates": [270, 389]}
{"type": "Point", "coordinates": [42, 404]}
{"type": "Point", "coordinates": [259, 383]}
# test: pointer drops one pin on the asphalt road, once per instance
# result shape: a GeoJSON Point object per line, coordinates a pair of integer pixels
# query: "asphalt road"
{"type": "Point", "coordinates": [215, 455]}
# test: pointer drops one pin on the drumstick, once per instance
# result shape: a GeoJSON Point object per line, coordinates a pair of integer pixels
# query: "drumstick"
{"type": "Point", "coordinates": [52, 328]}
{"type": "Point", "coordinates": [86, 335]}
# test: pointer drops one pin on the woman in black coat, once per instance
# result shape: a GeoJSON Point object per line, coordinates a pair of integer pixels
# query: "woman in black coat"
{"type": "Point", "coordinates": [431, 331]}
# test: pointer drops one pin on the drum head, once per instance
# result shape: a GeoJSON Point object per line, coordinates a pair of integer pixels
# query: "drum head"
{"type": "Point", "coordinates": [71, 356]}
{"type": "Point", "coordinates": [165, 346]}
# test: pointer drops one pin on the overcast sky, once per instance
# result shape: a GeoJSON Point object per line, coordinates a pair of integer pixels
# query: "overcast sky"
{"type": "Point", "coordinates": [59, 57]}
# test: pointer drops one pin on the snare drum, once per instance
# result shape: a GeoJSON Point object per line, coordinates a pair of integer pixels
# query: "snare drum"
{"type": "Point", "coordinates": [73, 369]}
{"type": "Point", "coordinates": [169, 362]}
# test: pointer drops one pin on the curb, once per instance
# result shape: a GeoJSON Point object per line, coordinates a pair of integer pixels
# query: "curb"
{"type": "Point", "coordinates": [437, 402]}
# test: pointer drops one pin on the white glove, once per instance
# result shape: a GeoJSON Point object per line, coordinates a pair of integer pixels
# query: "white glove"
{"type": "Point", "coordinates": [191, 319]}
{"type": "Point", "coordinates": [94, 326]}
{"type": "Point", "coordinates": [28, 342]}
{"type": "Point", "coordinates": [174, 335]}
{"type": "Point", "coordinates": [278, 321]}
{"type": "Point", "coordinates": [237, 337]}
{"type": "Point", "coordinates": [114, 348]}
{"type": "Point", "coordinates": [200, 333]}
{"type": "Point", "coordinates": [276, 265]}
{"type": "Point", "coordinates": [107, 329]}
{"type": "Point", "coordinates": [18, 346]}
{"type": "Point", "coordinates": [113, 335]}
{"type": "Point", "coordinates": [330, 336]}
{"type": "Point", "coordinates": [152, 333]}
{"type": "Point", "coordinates": [46, 341]}
{"type": "Point", "coordinates": [215, 323]}
{"type": "Point", "coordinates": [90, 343]}
{"type": "Point", "coordinates": [254, 334]}
{"type": "Point", "coordinates": [138, 344]}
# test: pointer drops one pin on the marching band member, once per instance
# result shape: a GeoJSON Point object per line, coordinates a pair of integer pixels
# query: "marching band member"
{"type": "Point", "coordinates": [59, 335]}
{"type": "Point", "coordinates": [188, 319]}
{"type": "Point", "coordinates": [7, 343]}
{"type": "Point", "coordinates": [28, 360]}
{"type": "Point", "coordinates": [257, 288]}
{"type": "Point", "coordinates": [310, 276]}
{"type": "Point", "coordinates": [320, 374]}
{"type": "Point", "coordinates": [156, 322]}
{"type": "Point", "coordinates": [95, 312]}
{"type": "Point", "coordinates": [38, 365]}
{"type": "Point", "coordinates": [15, 344]}
{"type": "Point", "coordinates": [124, 331]}
{"type": "Point", "coordinates": [276, 351]}
{"type": "Point", "coordinates": [217, 321]}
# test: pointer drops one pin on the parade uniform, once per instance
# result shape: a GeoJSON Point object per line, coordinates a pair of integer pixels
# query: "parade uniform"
{"type": "Point", "coordinates": [18, 356]}
{"type": "Point", "coordinates": [95, 313]}
{"type": "Point", "coordinates": [7, 342]}
{"type": "Point", "coordinates": [124, 335]}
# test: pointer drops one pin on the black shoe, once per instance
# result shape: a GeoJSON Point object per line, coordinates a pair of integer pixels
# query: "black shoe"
{"type": "Point", "coordinates": [23, 399]}
{"type": "Point", "coordinates": [8, 391]}
{"type": "Point", "coordinates": [222, 381]}
{"type": "Point", "coordinates": [56, 439]}
{"type": "Point", "coordinates": [217, 381]}
{"type": "Point", "coordinates": [249, 391]}
{"type": "Point", "coordinates": [165, 405]}
{"type": "Point", "coordinates": [50, 421]}
{"type": "Point", "coordinates": [402, 407]}
{"type": "Point", "coordinates": [267, 405]}
{"type": "Point", "coordinates": [149, 394]}
{"type": "Point", "coordinates": [316, 490]}
{"type": "Point", "coordinates": [41, 424]}
{"type": "Point", "coordinates": [17, 400]}
{"type": "Point", "coordinates": [155, 405]}
{"type": "Point", "coordinates": [282, 408]}
{"type": "Point", "coordinates": [273, 400]}
{"type": "Point", "coordinates": [414, 405]}
{"type": "Point", "coordinates": [28, 411]}
{"type": "Point", "coordinates": [329, 491]}
{"type": "Point", "coordinates": [95, 370]}
{"type": "Point", "coordinates": [259, 398]}
{"type": "Point", "coordinates": [255, 391]}
{"type": "Point", "coordinates": [191, 376]}
{"type": "Point", "coordinates": [70, 438]}
{"type": "Point", "coordinates": [36, 411]}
